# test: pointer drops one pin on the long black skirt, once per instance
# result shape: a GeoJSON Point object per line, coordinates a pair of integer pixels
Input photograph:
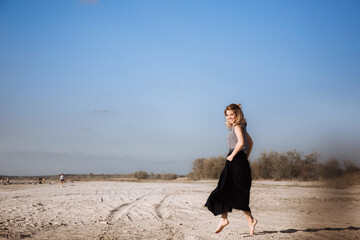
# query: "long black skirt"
{"type": "Point", "coordinates": [233, 189]}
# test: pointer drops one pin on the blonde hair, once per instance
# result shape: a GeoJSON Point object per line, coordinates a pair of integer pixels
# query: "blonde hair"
{"type": "Point", "coordinates": [240, 119]}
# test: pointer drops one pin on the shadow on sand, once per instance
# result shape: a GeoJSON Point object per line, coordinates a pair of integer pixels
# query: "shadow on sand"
{"type": "Point", "coordinates": [291, 230]}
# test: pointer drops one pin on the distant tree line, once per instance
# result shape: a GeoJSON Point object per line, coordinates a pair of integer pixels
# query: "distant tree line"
{"type": "Point", "coordinates": [290, 165]}
{"type": "Point", "coordinates": [207, 168]}
{"type": "Point", "coordinates": [95, 177]}
{"type": "Point", "coordinates": [152, 176]}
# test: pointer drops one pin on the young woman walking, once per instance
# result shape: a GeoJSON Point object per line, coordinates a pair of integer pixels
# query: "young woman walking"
{"type": "Point", "coordinates": [233, 189]}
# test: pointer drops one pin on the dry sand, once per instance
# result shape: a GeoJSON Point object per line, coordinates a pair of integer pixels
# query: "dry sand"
{"type": "Point", "coordinates": [174, 210]}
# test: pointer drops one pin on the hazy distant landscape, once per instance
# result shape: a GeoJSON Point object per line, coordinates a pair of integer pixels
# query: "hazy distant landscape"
{"type": "Point", "coordinates": [290, 165]}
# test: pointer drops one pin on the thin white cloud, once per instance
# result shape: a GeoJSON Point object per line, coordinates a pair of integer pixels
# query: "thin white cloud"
{"type": "Point", "coordinates": [60, 152]}
{"type": "Point", "coordinates": [88, 2]}
{"type": "Point", "coordinates": [84, 129]}
{"type": "Point", "coordinates": [104, 111]}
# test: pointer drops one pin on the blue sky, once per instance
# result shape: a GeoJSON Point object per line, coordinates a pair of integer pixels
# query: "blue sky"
{"type": "Point", "coordinates": [120, 86]}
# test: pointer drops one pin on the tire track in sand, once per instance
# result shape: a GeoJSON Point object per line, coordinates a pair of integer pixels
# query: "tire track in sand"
{"type": "Point", "coordinates": [159, 207]}
{"type": "Point", "coordinates": [112, 213]}
{"type": "Point", "coordinates": [126, 210]}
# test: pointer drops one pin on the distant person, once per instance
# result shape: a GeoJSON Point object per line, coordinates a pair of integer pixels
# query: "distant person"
{"type": "Point", "coordinates": [8, 181]}
{"type": "Point", "coordinates": [43, 180]}
{"type": "Point", "coordinates": [2, 181]}
{"type": "Point", "coordinates": [233, 189]}
{"type": "Point", "coordinates": [62, 180]}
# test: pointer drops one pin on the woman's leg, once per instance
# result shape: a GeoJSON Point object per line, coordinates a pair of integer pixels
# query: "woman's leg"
{"type": "Point", "coordinates": [251, 220]}
{"type": "Point", "coordinates": [223, 222]}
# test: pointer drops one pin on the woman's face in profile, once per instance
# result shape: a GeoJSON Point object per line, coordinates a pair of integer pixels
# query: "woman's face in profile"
{"type": "Point", "coordinates": [230, 116]}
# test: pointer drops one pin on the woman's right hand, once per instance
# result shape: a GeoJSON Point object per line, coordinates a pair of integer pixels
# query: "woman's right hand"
{"type": "Point", "coordinates": [230, 158]}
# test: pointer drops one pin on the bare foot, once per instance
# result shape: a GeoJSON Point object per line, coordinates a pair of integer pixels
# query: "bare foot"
{"type": "Point", "coordinates": [223, 222]}
{"type": "Point", "coordinates": [252, 226]}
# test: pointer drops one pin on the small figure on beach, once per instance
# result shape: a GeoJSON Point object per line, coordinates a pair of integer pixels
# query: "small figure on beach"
{"type": "Point", "coordinates": [8, 181]}
{"type": "Point", "coordinates": [233, 189]}
{"type": "Point", "coordinates": [2, 181]}
{"type": "Point", "coordinates": [62, 180]}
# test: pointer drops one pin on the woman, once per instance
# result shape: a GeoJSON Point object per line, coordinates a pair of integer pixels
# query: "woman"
{"type": "Point", "coordinates": [233, 189]}
{"type": "Point", "coordinates": [62, 180]}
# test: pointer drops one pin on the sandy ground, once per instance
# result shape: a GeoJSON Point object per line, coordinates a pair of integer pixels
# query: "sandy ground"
{"type": "Point", "coordinates": [174, 210]}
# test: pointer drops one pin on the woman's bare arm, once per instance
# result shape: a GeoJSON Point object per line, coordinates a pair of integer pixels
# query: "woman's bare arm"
{"type": "Point", "coordinates": [250, 144]}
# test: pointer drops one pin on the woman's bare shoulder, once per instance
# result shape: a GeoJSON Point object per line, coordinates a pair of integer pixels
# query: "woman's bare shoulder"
{"type": "Point", "coordinates": [237, 128]}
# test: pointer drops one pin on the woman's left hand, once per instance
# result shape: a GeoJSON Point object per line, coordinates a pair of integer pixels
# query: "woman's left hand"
{"type": "Point", "coordinates": [230, 158]}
